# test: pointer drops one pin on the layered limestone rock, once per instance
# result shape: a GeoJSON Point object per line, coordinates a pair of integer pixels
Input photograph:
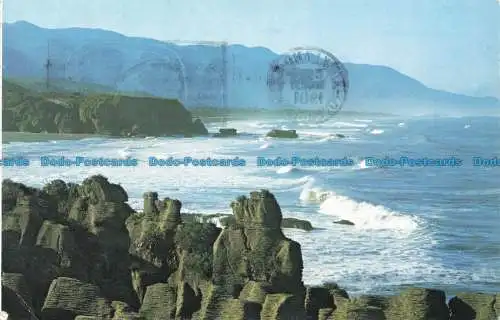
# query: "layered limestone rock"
{"type": "Point", "coordinates": [318, 298]}
{"type": "Point", "coordinates": [67, 230]}
{"type": "Point", "coordinates": [99, 214]}
{"type": "Point", "coordinates": [411, 304]}
{"type": "Point", "coordinates": [159, 302]}
{"type": "Point", "coordinates": [80, 252]}
{"type": "Point", "coordinates": [255, 249]}
{"type": "Point", "coordinates": [476, 306]}
{"type": "Point", "coordinates": [246, 271]}
{"type": "Point", "coordinates": [23, 211]}
{"type": "Point", "coordinates": [418, 303]}
{"type": "Point", "coordinates": [64, 194]}
{"type": "Point", "coordinates": [16, 296]}
{"type": "Point", "coordinates": [152, 235]}
{"type": "Point", "coordinates": [68, 297]}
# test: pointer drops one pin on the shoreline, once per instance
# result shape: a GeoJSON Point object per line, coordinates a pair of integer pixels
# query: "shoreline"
{"type": "Point", "coordinates": [14, 136]}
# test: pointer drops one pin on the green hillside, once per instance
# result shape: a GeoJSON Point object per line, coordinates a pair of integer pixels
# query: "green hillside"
{"type": "Point", "coordinates": [26, 110]}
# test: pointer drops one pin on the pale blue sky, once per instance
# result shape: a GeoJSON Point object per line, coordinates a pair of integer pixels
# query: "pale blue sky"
{"type": "Point", "coordinates": [446, 44]}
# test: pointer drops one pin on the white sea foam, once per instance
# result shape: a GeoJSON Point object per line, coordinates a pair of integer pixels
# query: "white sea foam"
{"type": "Point", "coordinates": [363, 120]}
{"type": "Point", "coordinates": [126, 152]}
{"type": "Point", "coordinates": [401, 124]}
{"type": "Point", "coordinates": [313, 194]}
{"type": "Point", "coordinates": [377, 131]}
{"type": "Point", "coordinates": [286, 169]}
{"type": "Point", "coordinates": [366, 215]}
{"type": "Point", "coordinates": [266, 145]}
{"type": "Point", "coordinates": [315, 133]}
{"type": "Point", "coordinates": [384, 248]}
{"type": "Point", "coordinates": [361, 165]}
{"type": "Point", "coordinates": [341, 124]}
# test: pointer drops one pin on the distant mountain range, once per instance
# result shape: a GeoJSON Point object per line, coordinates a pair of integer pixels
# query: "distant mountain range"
{"type": "Point", "coordinates": [110, 61]}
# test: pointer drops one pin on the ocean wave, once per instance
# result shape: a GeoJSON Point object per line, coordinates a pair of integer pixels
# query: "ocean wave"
{"type": "Point", "coordinates": [313, 194]}
{"type": "Point", "coordinates": [366, 215]}
{"type": "Point", "coordinates": [341, 124]}
{"type": "Point", "coordinates": [288, 169]}
{"type": "Point", "coordinates": [260, 125]}
{"type": "Point", "coordinates": [361, 165]}
{"type": "Point", "coordinates": [266, 145]}
{"type": "Point", "coordinates": [126, 152]}
{"type": "Point", "coordinates": [363, 120]}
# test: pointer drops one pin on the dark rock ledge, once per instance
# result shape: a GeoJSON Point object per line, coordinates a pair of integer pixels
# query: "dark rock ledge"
{"type": "Point", "coordinates": [80, 252]}
{"type": "Point", "coordinates": [227, 220]}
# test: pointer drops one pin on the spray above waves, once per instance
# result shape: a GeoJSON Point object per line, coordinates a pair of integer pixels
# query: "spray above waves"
{"type": "Point", "coordinates": [126, 152]}
{"type": "Point", "coordinates": [361, 165]}
{"type": "Point", "coordinates": [364, 215]}
{"type": "Point", "coordinates": [266, 145]}
{"type": "Point", "coordinates": [313, 194]}
{"type": "Point", "coordinates": [291, 169]}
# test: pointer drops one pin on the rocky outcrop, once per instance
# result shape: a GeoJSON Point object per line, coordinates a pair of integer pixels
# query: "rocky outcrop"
{"type": "Point", "coordinates": [474, 306]}
{"type": "Point", "coordinates": [65, 230]}
{"type": "Point", "coordinates": [227, 220]}
{"type": "Point", "coordinates": [80, 252]}
{"type": "Point", "coordinates": [294, 223]}
{"type": "Point", "coordinates": [226, 132]}
{"type": "Point", "coordinates": [276, 133]}
{"type": "Point", "coordinates": [16, 296]}
{"type": "Point", "coordinates": [255, 249]}
{"type": "Point", "coordinates": [107, 114]}
{"type": "Point", "coordinates": [67, 298]}
{"type": "Point", "coordinates": [344, 222]}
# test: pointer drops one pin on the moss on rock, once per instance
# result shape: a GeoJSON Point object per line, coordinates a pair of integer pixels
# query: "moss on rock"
{"type": "Point", "coordinates": [325, 314]}
{"type": "Point", "coordinates": [317, 298]}
{"type": "Point", "coordinates": [478, 306]}
{"type": "Point", "coordinates": [282, 307]}
{"type": "Point", "coordinates": [417, 304]}
{"type": "Point", "coordinates": [68, 297]}
{"type": "Point", "coordinates": [254, 292]}
{"type": "Point", "coordinates": [159, 302]}
{"type": "Point", "coordinates": [296, 224]}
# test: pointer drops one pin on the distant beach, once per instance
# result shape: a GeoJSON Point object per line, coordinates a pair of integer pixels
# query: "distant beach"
{"type": "Point", "coordinates": [8, 136]}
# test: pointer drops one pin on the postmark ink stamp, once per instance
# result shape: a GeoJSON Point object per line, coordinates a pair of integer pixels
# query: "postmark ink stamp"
{"type": "Point", "coordinates": [208, 74]}
{"type": "Point", "coordinates": [160, 75]}
{"type": "Point", "coordinates": [172, 70]}
{"type": "Point", "coordinates": [94, 66]}
{"type": "Point", "coordinates": [308, 83]}
{"type": "Point", "coordinates": [107, 67]}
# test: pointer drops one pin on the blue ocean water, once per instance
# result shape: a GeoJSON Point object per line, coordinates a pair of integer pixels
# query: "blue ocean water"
{"type": "Point", "coordinates": [427, 226]}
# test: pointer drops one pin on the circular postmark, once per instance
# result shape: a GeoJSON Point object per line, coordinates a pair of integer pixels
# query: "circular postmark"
{"type": "Point", "coordinates": [94, 66]}
{"type": "Point", "coordinates": [109, 68]}
{"type": "Point", "coordinates": [209, 80]}
{"type": "Point", "coordinates": [160, 76]}
{"type": "Point", "coordinates": [308, 84]}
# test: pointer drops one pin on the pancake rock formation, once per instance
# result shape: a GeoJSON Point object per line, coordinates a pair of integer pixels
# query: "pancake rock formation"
{"type": "Point", "coordinates": [78, 251]}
